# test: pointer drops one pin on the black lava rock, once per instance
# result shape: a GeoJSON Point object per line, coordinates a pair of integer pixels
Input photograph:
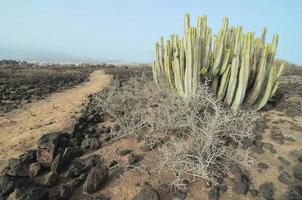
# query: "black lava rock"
{"type": "Point", "coordinates": [241, 184]}
{"type": "Point", "coordinates": [97, 176]}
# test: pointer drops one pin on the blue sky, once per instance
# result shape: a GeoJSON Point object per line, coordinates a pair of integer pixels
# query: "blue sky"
{"type": "Point", "coordinates": [125, 30]}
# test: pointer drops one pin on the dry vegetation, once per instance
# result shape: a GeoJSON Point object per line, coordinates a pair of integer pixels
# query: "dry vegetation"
{"type": "Point", "coordinates": [197, 135]}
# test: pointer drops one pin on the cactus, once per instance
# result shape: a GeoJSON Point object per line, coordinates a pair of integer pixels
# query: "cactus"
{"type": "Point", "coordinates": [240, 65]}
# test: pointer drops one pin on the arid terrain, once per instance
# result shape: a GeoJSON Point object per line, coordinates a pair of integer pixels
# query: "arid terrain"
{"type": "Point", "coordinates": [62, 146]}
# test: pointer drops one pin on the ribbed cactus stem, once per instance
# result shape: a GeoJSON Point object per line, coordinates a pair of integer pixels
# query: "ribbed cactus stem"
{"type": "Point", "coordinates": [241, 67]}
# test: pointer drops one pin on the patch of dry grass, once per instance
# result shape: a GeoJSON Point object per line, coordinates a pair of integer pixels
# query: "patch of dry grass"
{"type": "Point", "coordinates": [200, 129]}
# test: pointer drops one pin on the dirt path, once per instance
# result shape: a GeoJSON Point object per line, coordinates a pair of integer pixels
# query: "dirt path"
{"type": "Point", "coordinates": [20, 129]}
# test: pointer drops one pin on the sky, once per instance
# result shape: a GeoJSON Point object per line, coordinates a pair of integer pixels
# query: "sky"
{"type": "Point", "coordinates": [126, 30]}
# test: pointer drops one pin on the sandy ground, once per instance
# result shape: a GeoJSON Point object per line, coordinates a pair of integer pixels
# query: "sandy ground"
{"type": "Point", "coordinates": [59, 110]}
{"type": "Point", "coordinates": [20, 129]}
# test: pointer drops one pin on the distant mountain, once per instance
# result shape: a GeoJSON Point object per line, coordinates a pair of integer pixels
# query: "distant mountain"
{"type": "Point", "coordinates": [47, 56]}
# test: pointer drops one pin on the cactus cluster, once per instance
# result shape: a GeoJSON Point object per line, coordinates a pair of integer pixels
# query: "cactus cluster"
{"type": "Point", "coordinates": [241, 67]}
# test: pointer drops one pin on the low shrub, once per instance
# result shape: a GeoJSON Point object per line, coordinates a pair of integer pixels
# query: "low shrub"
{"type": "Point", "coordinates": [200, 129]}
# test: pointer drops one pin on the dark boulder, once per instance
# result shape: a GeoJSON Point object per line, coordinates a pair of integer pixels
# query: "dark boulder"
{"type": "Point", "coordinates": [7, 184]}
{"type": "Point", "coordinates": [92, 161]}
{"type": "Point", "coordinates": [18, 167]}
{"type": "Point", "coordinates": [65, 192]}
{"type": "Point", "coordinates": [29, 156]}
{"type": "Point", "coordinates": [72, 152]}
{"type": "Point", "coordinates": [75, 169]}
{"type": "Point", "coordinates": [50, 179]}
{"type": "Point", "coordinates": [62, 161]}
{"type": "Point", "coordinates": [96, 177]}
{"type": "Point", "coordinates": [77, 181]}
{"type": "Point", "coordinates": [241, 184]}
{"type": "Point", "coordinates": [48, 147]}
{"type": "Point", "coordinates": [29, 193]}
{"type": "Point", "coordinates": [58, 165]}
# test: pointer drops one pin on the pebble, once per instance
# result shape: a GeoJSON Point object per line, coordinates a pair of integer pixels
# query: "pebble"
{"type": "Point", "coordinates": [284, 177]}
{"type": "Point", "coordinates": [262, 165]}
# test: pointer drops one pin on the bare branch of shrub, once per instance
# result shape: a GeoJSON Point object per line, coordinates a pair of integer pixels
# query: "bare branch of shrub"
{"type": "Point", "coordinates": [203, 126]}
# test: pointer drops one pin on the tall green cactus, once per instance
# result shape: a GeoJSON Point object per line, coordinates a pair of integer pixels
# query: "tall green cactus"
{"type": "Point", "coordinates": [241, 66]}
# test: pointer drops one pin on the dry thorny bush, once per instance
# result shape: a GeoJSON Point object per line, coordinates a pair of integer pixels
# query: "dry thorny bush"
{"type": "Point", "coordinates": [200, 129]}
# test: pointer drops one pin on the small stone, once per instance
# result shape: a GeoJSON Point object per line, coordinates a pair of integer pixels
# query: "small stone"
{"type": "Point", "coordinates": [298, 173]}
{"type": "Point", "coordinates": [262, 165]}
{"type": "Point", "coordinates": [50, 179]}
{"type": "Point", "coordinates": [284, 161]}
{"type": "Point", "coordinates": [147, 193]}
{"type": "Point", "coordinates": [273, 150]}
{"type": "Point", "coordinates": [290, 139]}
{"type": "Point", "coordinates": [267, 146]}
{"type": "Point", "coordinates": [254, 193]}
{"type": "Point", "coordinates": [258, 149]}
{"type": "Point", "coordinates": [284, 177]}
{"type": "Point", "coordinates": [213, 193]}
{"type": "Point", "coordinates": [277, 136]}
{"type": "Point", "coordinates": [65, 192]}
{"type": "Point", "coordinates": [241, 184]}
{"type": "Point", "coordinates": [132, 158]}
{"type": "Point", "coordinates": [267, 190]}
{"type": "Point", "coordinates": [296, 128]}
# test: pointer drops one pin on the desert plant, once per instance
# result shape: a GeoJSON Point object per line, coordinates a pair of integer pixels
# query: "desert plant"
{"type": "Point", "coordinates": [197, 130]}
{"type": "Point", "coordinates": [241, 66]}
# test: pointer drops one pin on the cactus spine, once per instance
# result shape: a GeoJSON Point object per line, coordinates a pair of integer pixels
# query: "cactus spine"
{"type": "Point", "coordinates": [241, 66]}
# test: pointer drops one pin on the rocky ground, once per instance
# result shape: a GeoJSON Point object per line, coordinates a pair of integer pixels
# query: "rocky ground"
{"type": "Point", "coordinates": [23, 84]}
{"type": "Point", "coordinates": [88, 163]}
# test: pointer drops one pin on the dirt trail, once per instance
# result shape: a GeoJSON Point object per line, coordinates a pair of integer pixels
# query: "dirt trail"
{"type": "Point", "coordinates": [20, 129]}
